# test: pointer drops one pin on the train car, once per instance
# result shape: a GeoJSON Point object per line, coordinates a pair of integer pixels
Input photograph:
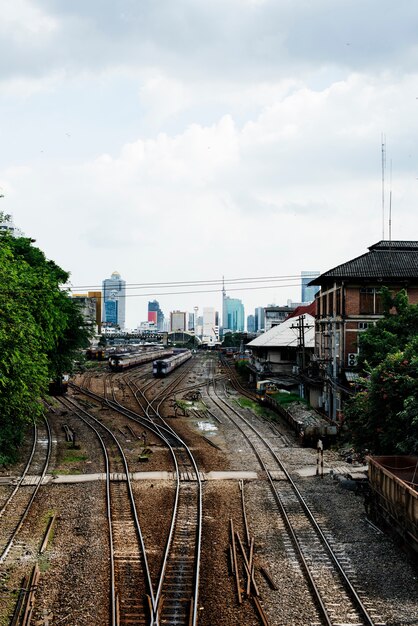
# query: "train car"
{"type": "Point", "coordinates": [58, 386]}
{"type": "Point", "coordinates": [392, 501]}
{"type": "Point", "coordinates": [120, 362]}
{"type": "Point", "coordinates": [307, 423]}
{"type": "Point", "coordinates": [164, 367]}
{"type": "Point", "coordinates": [97, 354]}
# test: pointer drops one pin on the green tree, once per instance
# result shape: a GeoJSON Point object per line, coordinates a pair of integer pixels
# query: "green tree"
{"type": "Point", "coordinates": [398, 327]}
{"type": "Point", "coordinates": [41, 330]}
{"type": "Point", "coordinates": [383, 415]}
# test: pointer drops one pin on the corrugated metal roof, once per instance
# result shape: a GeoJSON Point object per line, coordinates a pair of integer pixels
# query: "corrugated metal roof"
{"type": "Point", "coordinates": [385, 260]}
{"type": "Point", "coordinates": [286, 335]}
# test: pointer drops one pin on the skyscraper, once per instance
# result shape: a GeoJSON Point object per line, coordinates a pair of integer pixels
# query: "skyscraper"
{"type": "Point", "coordinates": [178, 321]}
{"type": "Point", "coordinates": [233, 315]}
{"type": "Point", "coordinates": [251, 324]}
{"type": "Point", "coordinates": [114, 296]}
{"type": "Point", "coordinates": [308, 293]}
{"type": "Point", "coordinates": [210, 332]}
{"type": "Point", "coordinates": [155, 314]}
{"type": "Point", "coordinates": [259, 319]}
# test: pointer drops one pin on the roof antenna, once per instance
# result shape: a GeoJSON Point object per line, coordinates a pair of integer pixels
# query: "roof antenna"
{"type": "Point", "coordinates": [390, 204]}
{"type": "Point", "coordinates": [383, 184]}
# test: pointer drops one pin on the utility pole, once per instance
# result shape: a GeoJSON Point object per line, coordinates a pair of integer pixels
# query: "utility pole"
{"type": "Point", "coordinates": [301, 327]}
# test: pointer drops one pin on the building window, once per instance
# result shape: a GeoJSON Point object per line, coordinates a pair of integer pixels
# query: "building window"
{"type": "Point", "coordinates": [371, 301]}
{"type": "Point", "coordinates": [331, 303]}
{"type": "Point", "coordinates": [378, 302]}
{"type": "Point", "coordinates": [367, 300]}
{"type": "Point", "coordinates": [338, 302]}
{"type": "Point", "coordinates": [323, 306]}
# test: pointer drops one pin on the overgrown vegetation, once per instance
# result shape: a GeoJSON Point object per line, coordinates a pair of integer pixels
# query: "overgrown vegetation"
{"type": "Point", "coordinates": [246, 403]}
{"type": "Point", "coordinates": [287, 398]}
{"type": "Point", "coordinates": [383, 415]}
{"type": "Point", "coordinates": [41, 333]}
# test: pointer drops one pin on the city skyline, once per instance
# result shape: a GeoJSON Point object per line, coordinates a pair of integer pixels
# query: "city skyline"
{"type": "Point", "coordinates": [242, 138]}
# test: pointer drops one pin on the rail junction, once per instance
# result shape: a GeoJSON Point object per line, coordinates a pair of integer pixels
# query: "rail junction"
{"type": "Point", "coordinates": [181, 550]}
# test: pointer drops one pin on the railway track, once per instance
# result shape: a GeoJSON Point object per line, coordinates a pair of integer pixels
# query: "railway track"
{"type": "Point", "coordinates": [17, 506]}
{"type": "Point", "coordinates": [335, 596]}
{"type": "Point", "coordinates": [130, 579]}
{"type": "Point", "coordinates": [174, 594]}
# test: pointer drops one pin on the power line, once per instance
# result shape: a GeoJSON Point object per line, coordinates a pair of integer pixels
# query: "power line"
{"type": "Point", "coordinates": [185, 283]}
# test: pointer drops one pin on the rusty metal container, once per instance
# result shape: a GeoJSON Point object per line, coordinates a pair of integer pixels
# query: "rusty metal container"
{"type": "Point", "coordinates": [394, 497]}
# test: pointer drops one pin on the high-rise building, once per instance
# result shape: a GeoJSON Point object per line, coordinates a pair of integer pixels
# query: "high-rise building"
{"type": "Point", "coordinates": [259, 319]}
{"type": "Point", "coordinates": [233, 315]}
{"type": "Point", "coordinates": [177, 321]}
{"type": "Point", "coordinates": [274, 315]}
{"type": "Point", "coordinates": [251, 324]}
{"type": "Point", "coordinates": [308, 293]}
{"type": "Point", "coordinates": [114, 297]}
{"type": "Point", "coordinates": [155, 314]}
{"type": "Point", "coordinates": [210, 333]}
{"type": "Point", "coordinates": [92, 310]}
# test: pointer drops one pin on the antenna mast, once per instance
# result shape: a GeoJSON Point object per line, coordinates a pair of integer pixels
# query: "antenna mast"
{"type": "Point", "coordinates": [390, 204]}
{"type": "Point", "coordinates": [383, 184]}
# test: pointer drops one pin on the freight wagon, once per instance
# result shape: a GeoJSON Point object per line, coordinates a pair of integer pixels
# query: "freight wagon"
{"type": "Point", "coordinates": [392, 501]}
{"type": "Point", "coordinates": [307, 423]}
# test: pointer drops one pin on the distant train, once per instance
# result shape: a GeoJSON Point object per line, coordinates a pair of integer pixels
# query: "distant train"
{"type": "Point", "coordinates": [120, 362]}
{"type": "Point", "coordinates": [163, 367]}
{"type": "Point", "coordinates": [58, 386]}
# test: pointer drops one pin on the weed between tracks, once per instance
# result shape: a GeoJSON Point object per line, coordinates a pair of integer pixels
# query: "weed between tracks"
{"type": "Point", "coordinates": [246, 403]}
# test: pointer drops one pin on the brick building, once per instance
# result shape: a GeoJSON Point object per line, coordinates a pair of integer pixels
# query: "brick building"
{"type": "Point", "coordinates": [347, 303]}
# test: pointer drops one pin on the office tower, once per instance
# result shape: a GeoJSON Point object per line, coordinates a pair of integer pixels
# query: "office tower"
{"type": "Point", "coordinates": [233, 315]}
{"type": "Point", "coordinates": [177, 321]}
{"type": "Point", "coordinates": [91, 307]}
{"type": "Point", "coordinates": [259, 319]}
{"type": "Point", "coordinates": [251, 324]}
{"type": "Point", "coordinates": [114, 297]}
{"type": "Point", "coordinates": [308, 293]}
{"type": "Point", "coordinates": [210, 328]}
{"type": "Point", "coordinates": [155, 314]}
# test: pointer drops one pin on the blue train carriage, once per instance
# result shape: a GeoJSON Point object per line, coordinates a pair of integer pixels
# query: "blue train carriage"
{"type": "Point", "coordinates": [163, 367]}
{"type": "Point", "coordinates": [392, 501]}
{"type": "Point", "coordinates": [122, 361]}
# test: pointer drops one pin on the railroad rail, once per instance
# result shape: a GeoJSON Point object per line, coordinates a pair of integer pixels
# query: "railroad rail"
{"type": "Point", "coordinates": [334, 594]}
{"type": "Point", "coordinates": [175, 599]}
{"type": "Point", "coordinates": [20, 501]}
{"type": "Point", "coordinates": [130, 579]}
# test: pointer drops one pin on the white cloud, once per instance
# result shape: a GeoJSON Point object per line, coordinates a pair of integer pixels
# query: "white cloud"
{"type": "Point", "coordinates": [182, 140]}
{"type": "Point", "coordinates": [22, 21]}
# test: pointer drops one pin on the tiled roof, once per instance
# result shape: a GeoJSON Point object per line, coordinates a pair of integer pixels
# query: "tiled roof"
{"type": "Point", "coordinates": [286, 335]}
{"type": "Point", "coordinates": [303, 308]}
{"type": "Point", "coordinates": [389, 260]}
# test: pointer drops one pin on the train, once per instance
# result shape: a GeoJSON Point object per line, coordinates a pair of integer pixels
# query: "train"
{"type": "Point", "coordinates": [59, 385]}
{"type": "Point", "coordinates": [307, 423]}
{"type": "Point", "coordinates": [392, 499]}
{"type": "Point", "coordinates": [122, 361]}
{"type": "Point", "coordinates": [163, 367]}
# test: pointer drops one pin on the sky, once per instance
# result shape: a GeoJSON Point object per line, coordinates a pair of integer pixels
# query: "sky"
{"type": "Point", "coordinates": [183, 140]}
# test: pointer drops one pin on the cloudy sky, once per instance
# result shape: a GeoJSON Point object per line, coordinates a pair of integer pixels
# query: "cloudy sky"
{"type": "Point", "coordinates": [183, 140]}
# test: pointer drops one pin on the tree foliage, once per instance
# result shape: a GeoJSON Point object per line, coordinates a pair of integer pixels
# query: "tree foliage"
{"type": "Point", "coordinates": [383, 416]}
{"type": "Point", "coordinates": [41, 331]}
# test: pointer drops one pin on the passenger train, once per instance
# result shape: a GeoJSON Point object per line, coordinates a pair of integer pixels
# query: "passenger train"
{"type": "Point", "coordinates": [120, 362]}
{"type": "Point", "coordinates": [163, 367]}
